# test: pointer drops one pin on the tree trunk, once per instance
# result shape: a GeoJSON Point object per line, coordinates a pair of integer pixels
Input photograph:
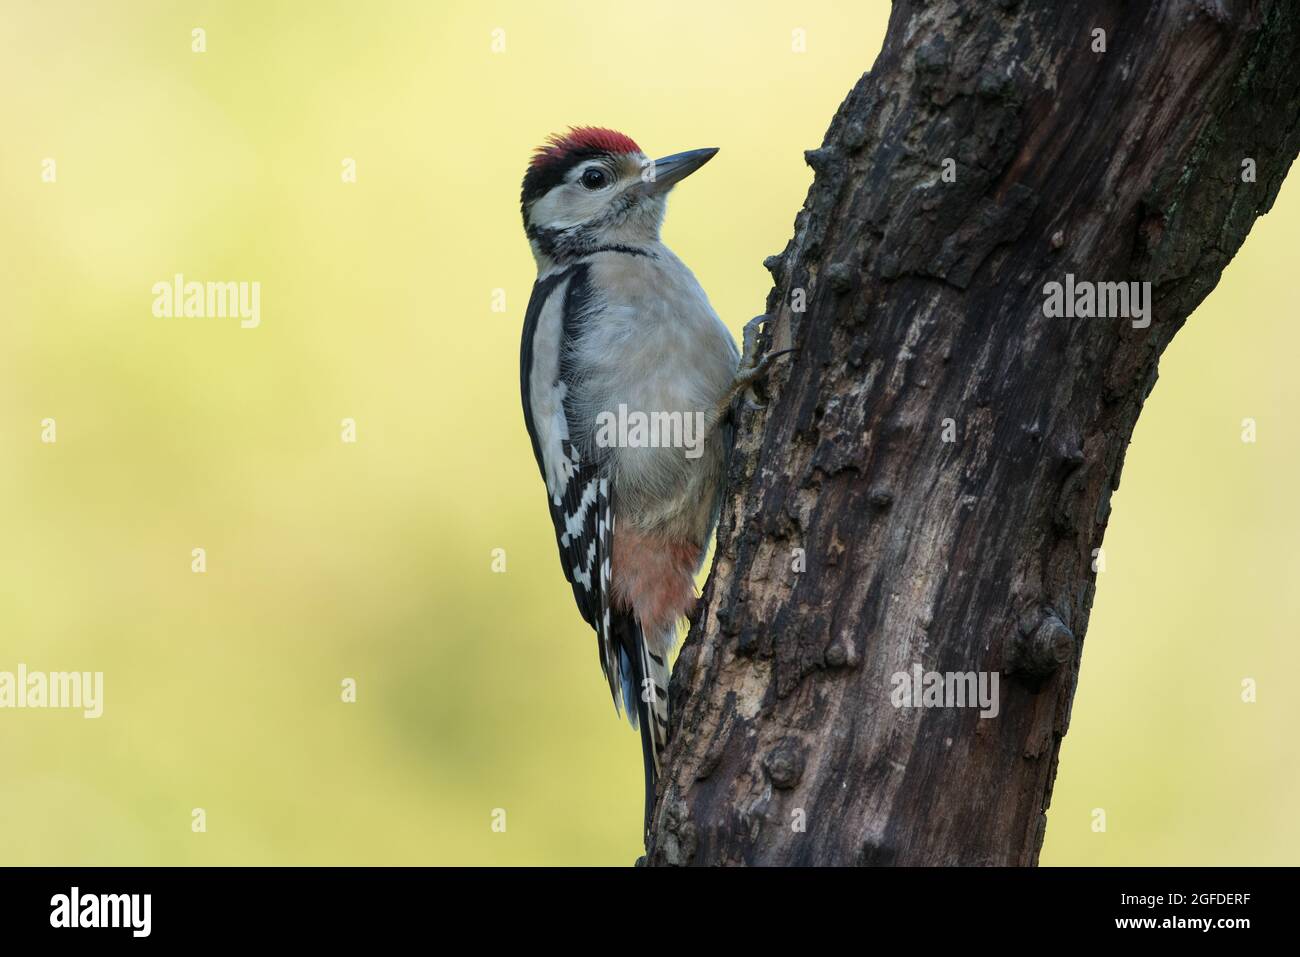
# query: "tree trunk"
{"type": "Point", "coordinates": [931, 478]}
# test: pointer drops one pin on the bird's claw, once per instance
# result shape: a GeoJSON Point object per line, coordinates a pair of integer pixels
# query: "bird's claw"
{"type": "Point", "coordinates": [752, 370]}
{"type": "Point", "coordinates": [749, 340]}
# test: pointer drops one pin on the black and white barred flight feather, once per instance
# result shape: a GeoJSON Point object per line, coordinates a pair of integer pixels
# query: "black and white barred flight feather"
{"type": "Point", "coordinates": [580, 497]}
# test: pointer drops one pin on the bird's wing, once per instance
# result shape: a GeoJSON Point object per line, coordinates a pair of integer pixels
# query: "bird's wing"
{"type": "Point", "coordinates": [578, 494]}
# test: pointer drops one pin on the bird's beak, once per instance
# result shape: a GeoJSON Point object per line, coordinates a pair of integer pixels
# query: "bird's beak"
{"type": "Point", "coordinates": [659, 176]}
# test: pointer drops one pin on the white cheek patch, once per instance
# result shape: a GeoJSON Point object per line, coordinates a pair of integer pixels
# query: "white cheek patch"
{"type": "Point", "coordinates": [569, 205]}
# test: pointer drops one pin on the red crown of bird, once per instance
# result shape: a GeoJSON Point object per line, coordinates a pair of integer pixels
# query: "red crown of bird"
{"type": "Point", "coordinates": [582, 139]}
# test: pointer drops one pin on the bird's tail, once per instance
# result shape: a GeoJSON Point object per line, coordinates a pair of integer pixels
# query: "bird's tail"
{"type": "Point", "coordinates": [643, 673]}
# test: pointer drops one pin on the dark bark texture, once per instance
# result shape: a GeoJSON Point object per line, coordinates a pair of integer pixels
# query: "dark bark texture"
{"type": "Point", "coordinates": [923, 301]}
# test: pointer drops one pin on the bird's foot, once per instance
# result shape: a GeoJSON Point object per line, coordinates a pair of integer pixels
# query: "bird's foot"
{"type": "Point", "coordinates": [752, 369]}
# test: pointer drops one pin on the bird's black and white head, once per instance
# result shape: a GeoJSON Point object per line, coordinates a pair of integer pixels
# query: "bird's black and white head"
{"type": "Point", "coordinates": [593, 188]}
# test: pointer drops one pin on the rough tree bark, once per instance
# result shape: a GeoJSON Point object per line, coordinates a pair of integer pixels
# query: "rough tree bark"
{"type": "Point", "coordinates": [924, 302]}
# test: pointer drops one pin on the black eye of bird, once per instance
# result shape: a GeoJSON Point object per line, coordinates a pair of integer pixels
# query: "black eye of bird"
{"type": "Point", "coordinates": [593, 178]}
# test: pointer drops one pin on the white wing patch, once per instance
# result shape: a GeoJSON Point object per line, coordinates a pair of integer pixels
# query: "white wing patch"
{"type": "Point", "coordinates": [547, 393]}
{"type": "Point", "coordinates": [580, 497]}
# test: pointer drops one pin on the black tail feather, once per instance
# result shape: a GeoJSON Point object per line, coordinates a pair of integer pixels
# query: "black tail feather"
{"type": "Point", "coordinates": [647, 759]}
{"type": "Point", "coordinates": [627, 636]}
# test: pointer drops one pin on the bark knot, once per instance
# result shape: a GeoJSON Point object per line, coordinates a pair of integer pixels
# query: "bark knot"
{"type": "Point", "coordinates": [784, 765]}
{"type": "Point", "coordinates": [1045, 649]}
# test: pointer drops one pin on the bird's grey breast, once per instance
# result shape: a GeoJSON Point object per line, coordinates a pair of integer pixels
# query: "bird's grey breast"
{"type": "Point", "coordinates": [651, 360]}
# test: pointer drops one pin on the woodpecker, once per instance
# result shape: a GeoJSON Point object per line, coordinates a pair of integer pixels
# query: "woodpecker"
{"type": "Point", "coordinates": [617, 322]}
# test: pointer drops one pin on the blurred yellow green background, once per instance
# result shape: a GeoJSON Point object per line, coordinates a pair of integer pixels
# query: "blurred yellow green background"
{"type": "Point", "coordinates": [326, 560]}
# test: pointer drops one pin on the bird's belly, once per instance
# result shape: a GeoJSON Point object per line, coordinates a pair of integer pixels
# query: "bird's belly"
{"type": "Point", "coordinates": [656, 361]}
{"type": "Point", "coordinates": [666, 452]}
